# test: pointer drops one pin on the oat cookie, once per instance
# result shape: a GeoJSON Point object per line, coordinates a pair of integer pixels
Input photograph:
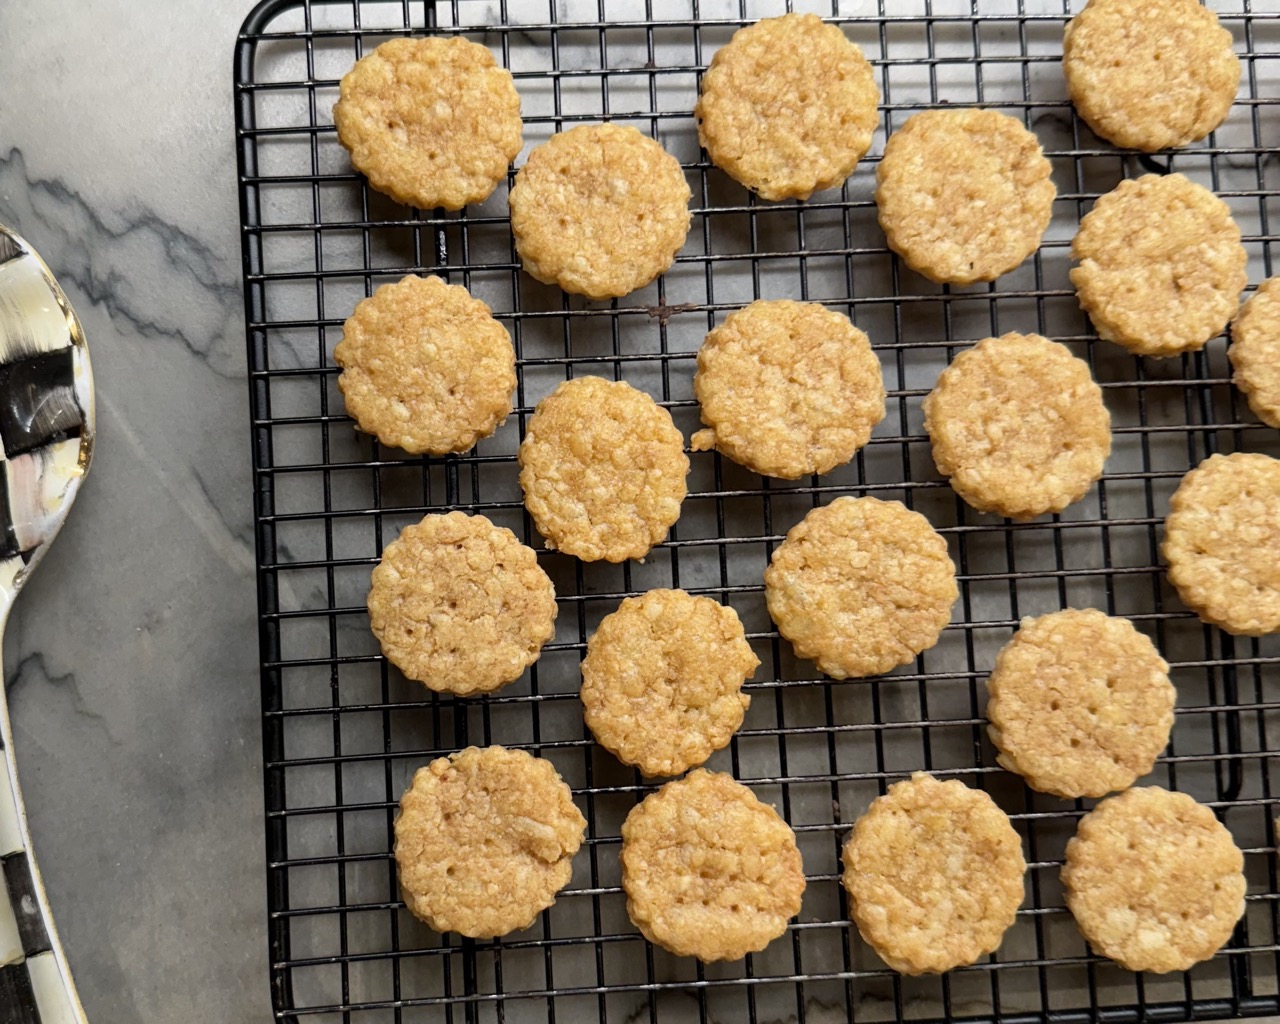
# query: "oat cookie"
{"type": "Point", "coordinates": [662, 680]}
{"type": "Point", "coordinates": [425, 367]}
{"type": "Point", "coordinates": [1154, 880]}
{"type": "Point", "coordinates": [1080, 703]}
{"type": "Point", "coordinates": [599, 210]}
{"type": "Point", "coordinates": [934, 875]}
{"type": "Point", "coordinates": [1161, 265]}
{"type": "Point", "coordinates": [1017, 423]}
{"type": "Point", "coordinates": [861, 586]}
{"type": "Point", "coordinates": [964, 195]}
{"type": "Point", "coordinates": [709, 871]}
{"type": "Point", "coordinates": [1255, 352]}
{"type": "Point", "coordinates": [603, 470]}
{"type": "Point", "coordinates": [788, 107]}
{"type": "Point", "coordinates": [460, 604]}
{"type": "Point", "coordinates": [1150, 74]}
{"type": "Point", "coordinates": [1222, 542]}
{"type": "Point", "coordinates": [484, 841]}
{"type": "Point", "coordinates": [430, 122]}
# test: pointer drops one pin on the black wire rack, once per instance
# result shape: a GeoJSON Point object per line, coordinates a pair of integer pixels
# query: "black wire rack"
{"type": "Point", "coordinates": [342, 733]}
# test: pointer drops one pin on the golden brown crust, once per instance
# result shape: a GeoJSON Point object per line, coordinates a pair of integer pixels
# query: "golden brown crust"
{"type": "Point", "coordinates": [1255, 351]}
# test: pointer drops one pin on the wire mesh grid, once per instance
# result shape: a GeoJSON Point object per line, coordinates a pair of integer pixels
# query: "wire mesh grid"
{"type": "Point", "coordinates": [343, 733]}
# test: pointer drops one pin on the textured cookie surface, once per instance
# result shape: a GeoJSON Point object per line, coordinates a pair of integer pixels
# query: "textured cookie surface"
{"type": "Point", "coordinates": [1154, 880]}
{"type": "Point", "coordinates": [787, 389]}
{"type": "Point", "coordinates": [1222, 542]}
{"type": "Point", "coordinates": [964, 195]}
{"type": "Point", "coordinates": [1017, 423]}
{"type": "Point", "coordinates": [603, 470]}
{"type": "Point", "coordinates": [425, 367]}
{"type": "Point", "coordinates": [484, 841]}
{"type": "Point", "coordinates": [1150, 74]}
{"type": "Point", "coordinates": [709, 871]}
{"type": "Point", "coordinates": [861, 586]}
{"type": "Point", "coordinates": [1161, 265]}
{"type": "Point", "coordinates": [1255, 351]}
{"type": "Point", "coordinates": [460, 604]}
{"type": "Point", "coordinates": [788, 107]}
{"type": "Point", "coordinates": [599, 210]}
{"type": "Point", "coordinates": [430, 122]}
{"type": "Point", "coordinates": [1080, 703]}
{"type": "Point", "coordinates": [662, 680]}
{"type": "Point", "coordinates": [934, 875]}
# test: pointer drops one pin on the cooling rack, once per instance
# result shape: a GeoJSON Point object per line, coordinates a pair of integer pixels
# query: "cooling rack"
{"type": "Point", "coordinates": [342, 733]}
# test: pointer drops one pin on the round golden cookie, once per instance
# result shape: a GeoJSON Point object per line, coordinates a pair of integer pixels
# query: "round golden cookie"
{"type": "Point", "coordinates": [964, 195]}
{"type": "Point", "coordinates": [425, 367]}
{"type": "Point", "coordinates": [1255, 352]}
{"type": "Point", "coordinates": [603, 470]}
{"type": "Point", "coordinates": [709, 871]}
{"type": "Point", "coordinates": [861, 586]}
{"type": "Point", "coordinates": [430, 122]}
{"type": "Point", "coordinates": [1222, 542]}
{"type": "Point", "coordinates": [1150, 74]}
{"type": "Point", "coordinates": [788, 107]}
{"type": "Point", "coordinates": [934, 875]}
{"type": "Point", "coordinates": [1154, 880]}
{"type": "Point", "coordinates": [599, 210]}
{"type": "Point", "coordinates": [460, 605]}
{"type": "Point", "coordinates": [1161, 265]}
{"type": "Point", "coordinates": [787, 389]}
{"type": "Point", "coordinates": [662, 680]}
{"type": "Point", "coordinates": [485, 839]}
{"type": "Point", "coordinates": [1080, 703]}
{"type": "Point", "coordinates": [1018, 424]}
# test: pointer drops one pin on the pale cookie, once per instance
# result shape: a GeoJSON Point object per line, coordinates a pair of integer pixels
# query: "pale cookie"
{"type": "Point", "coordinates": [1017, 423]}
{"type": "Point", "coordinates": [430, 122]}
{"type": "Point", "coordinates": [1154, 880]}
{"type": "Point", "coordinates": [460, 604]}
{"type": "Point", "coordinates": [964, 195]}
{"type": "Point", "coordinates": [1255, 352]}
{"type": "Point", "coordinates": [1080, 703]}
{"type": "Point", "coordinates": [787, 389]}
{"type": "Point", "coordinates": [1222, 542]}
{"type": "Point", "coordinates": [934, 875]}
{"type": "Point", "coordinates": [425, 367]}
{"type": "Point", "coordinates": [603, 470]}
{"type": "Point", "coordinates": [662, 680]}
{"type": "Point", "coordinates": [861, 586]}
{"type": "Point", "coordinates": [709, 871]}
{"type": "Point", "coordinates": [599, 210]}
{"type": "Point", "coordinates": [484, 841]}
{"type": "Point", "coordinates": [788, 107]}
{"type": "Point", "coordinates": [1161, 265]}
{"type": "Point", "coordinates": [1150, 74]}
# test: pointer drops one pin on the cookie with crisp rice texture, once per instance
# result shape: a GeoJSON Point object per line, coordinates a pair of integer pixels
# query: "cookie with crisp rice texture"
{"type": "Point", "coordinates": [1255, 352]}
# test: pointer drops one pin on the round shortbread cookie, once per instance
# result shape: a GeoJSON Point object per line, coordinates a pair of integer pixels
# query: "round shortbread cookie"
{"type": "Point", "coordinates": [861, 586]}
{"type": "Point", "coordinates": [787, 389]}
{"type": "Point", "coordinates": [709, 871]}
{"type": "Point", "coordinates": [1154, 880]}
{"type": "Point", "coordinates": [788, 107]}
{"type": "Point", "coordinates": [460, 605]}
{"type": "Point", "coordinates": [1018, 424]}
{"type": "Point", "coordinates": [485, 839]}
{"type": "Point", "coordinates": [599, 210]}
{"type": "Point", "coordinates": [603, 470]}
{"type": "Point", "coordinates": [1161, 265]}
{"type": "Point", "coordinates": [425, 367]}
{"type": "Point", "coordinates": [430, 122]}
{"type": "Point", "coordinates": [1222, 542]}
{"type": "Point", "coordinates": [1255, 352]}
{"type": "Point", "coordinates": [1080, 703]}
{"type": "Point", "coordinates": [1150, 74]}
{"type": "Point", "coordinates": [662, 680]}
{"type": "Point", "coordinates": [964, 195]}
{"type": "Point", "coordinates": [934, 872]}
